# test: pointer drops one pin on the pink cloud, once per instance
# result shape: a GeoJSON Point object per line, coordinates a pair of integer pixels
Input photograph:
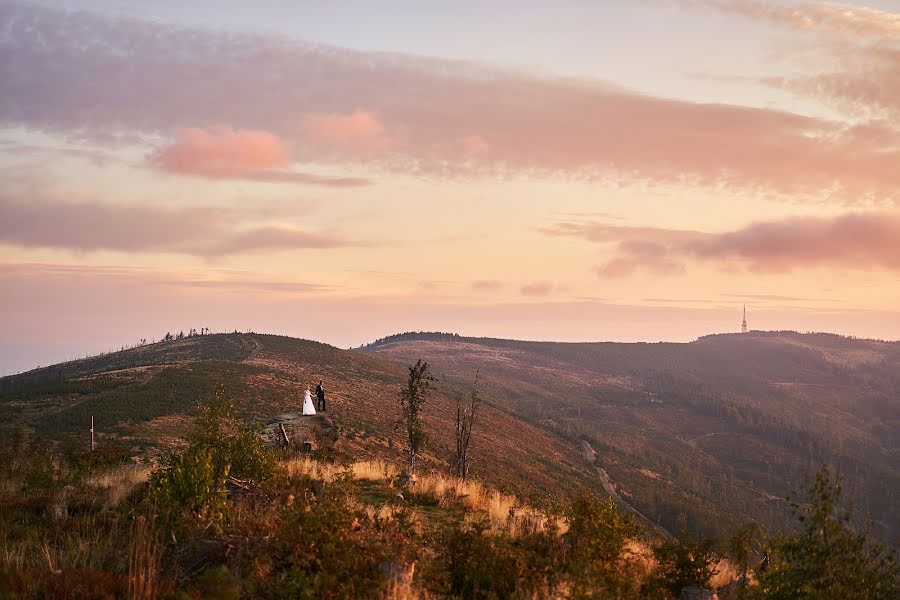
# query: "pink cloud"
{"type": "Point", "coordinates": [851, 241]}
{"type": "Point", "coordinates": [359, 131]}
{"type": "Point", "coordinates": [222, 150]}
{"type": "Point", "coordinates": [225, 153]}
{"type": "Point", "coordinates": [420, 114]}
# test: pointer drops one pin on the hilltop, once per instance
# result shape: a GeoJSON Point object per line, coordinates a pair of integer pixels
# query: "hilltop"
{"type": "Point", "coordinates": [700, 435]}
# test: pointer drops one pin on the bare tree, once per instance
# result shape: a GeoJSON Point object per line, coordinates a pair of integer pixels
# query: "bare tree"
{"type": "Point", "coordinates": [412, 397]}
{"type": "Point", "coordinates": [465, 417]}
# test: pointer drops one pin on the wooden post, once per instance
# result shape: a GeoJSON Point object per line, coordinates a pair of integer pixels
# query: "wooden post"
{"type": "Point", "coordinates": [92, 432]}
{"type": "Point", "coordinates": [284, 434]}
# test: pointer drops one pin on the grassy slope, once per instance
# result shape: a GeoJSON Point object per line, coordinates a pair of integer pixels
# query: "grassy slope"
{"type": "Point", "coordinates": [704, 434]}
{"type": "Point", "coordinates": [713, 431]}
{"type": "Point", "coordinates": [145, 398]}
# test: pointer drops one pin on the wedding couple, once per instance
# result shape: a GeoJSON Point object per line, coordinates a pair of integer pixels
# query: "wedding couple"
{"type": "Point", "coordinates": [308, 408]}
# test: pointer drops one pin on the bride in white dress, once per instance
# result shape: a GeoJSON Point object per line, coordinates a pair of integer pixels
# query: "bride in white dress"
{"type": "Point", "coordinates": [308, 408]}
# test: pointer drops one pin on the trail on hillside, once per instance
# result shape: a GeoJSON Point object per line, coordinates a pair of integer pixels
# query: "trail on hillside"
{"type": "Point", "coordinates": [257, 346]}
{"type": "Point", "coordinates": [610, 489]}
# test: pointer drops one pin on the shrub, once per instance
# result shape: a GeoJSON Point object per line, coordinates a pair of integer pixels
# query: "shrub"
{"type": "Point", "coordinates": [597, 537]}
{"type": "Point", "coordinates": [481, 565]}
{"type": "Point", "coordinates": [220, 446]}
{"type": "Point", "coordinates": [683, 562]}
{"type": "Point", "coordinates": [827, 558]}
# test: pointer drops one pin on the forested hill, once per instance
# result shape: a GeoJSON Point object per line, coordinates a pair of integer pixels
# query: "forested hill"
{"type": "Point", "coordinates": [702, 432]}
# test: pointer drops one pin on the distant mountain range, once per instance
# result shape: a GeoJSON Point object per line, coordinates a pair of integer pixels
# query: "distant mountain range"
{"type": "Point", "coordinates": [702, 436]}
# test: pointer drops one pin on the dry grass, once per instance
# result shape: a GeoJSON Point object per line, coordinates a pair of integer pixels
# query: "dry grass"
{"type": "Point", "coordinates": [727, 572]}
{"type": "Point", "coordinates": [143, 562]}
{"type": "Point", "coordinates": [118, 483]}
{"type": "Point", "coordinates": [506, 513]}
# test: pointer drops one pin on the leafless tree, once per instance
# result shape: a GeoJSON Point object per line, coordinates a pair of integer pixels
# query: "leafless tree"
{"type": "Point", "coordinates": [465, 417]}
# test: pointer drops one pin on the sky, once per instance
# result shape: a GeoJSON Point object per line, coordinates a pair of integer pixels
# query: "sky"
{"type": "Point", "coordinates": [582, 170]}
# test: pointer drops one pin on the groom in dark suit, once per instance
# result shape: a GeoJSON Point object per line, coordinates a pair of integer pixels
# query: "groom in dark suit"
{"type": "Point", "coordinates": [320, 395]}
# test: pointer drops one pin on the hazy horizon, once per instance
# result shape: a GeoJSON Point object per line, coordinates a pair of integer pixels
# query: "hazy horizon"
{"type": "Point", "coordinates": [578, 171]}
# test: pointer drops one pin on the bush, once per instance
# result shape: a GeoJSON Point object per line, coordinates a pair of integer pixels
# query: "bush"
{"type": "Point", "coordinates": [597, 538]}
{"type": "Point", "coordinates": [683, 562]}
{"type": "Point", "coordinates": [220, 447]}
{"type": "Point", "coordinates": [327, 547]}
{"type": "Point", "coordinates": [481, 565]}
{"type": "Point", "coordinates": [827, 558]}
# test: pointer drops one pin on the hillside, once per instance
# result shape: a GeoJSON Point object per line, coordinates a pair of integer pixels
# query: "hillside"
{"type": "Point", "coordinates": [702, 434]}
{"type": "Point", "coordinates": [144, 398]}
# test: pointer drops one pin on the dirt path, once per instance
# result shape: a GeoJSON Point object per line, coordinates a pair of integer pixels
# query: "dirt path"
{"type": "Point", "coordinates": [298, 427]}
{"type": "Point", "coordinates": [610, 488]}
{"type": "Point", "coordinates": [254, 352]}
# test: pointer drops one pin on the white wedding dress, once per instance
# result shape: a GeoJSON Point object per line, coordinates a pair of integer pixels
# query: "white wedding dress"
{"type": "Point", "coordinates": [308, 408]}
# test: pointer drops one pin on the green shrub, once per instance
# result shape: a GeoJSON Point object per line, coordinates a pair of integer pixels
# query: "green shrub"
{"type": "Point", "coordinates": [220, 446]}
{"type": "Point", "coordinates": [597, 538]}
{"type": "Point", "coordinates": [480, 564]}
{"type": "Point", "coordinates": [683, 562]}
{"type": "Point", "coordinates": [192, 479]}
{"type": "Point", "coordinates": [827, 558]}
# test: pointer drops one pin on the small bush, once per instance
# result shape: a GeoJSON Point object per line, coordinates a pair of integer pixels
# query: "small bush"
{"type": "Point", "coordinates": [597, 538]}
{"type": "Point", "coordinates": [683, 562]}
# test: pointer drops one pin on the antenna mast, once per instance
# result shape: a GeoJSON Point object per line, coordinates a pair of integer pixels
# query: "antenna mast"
{"type": "Point", "coordinates": [744, 322]}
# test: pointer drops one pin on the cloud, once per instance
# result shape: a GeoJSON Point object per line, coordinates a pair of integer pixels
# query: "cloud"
{"type": "Point", "coordinates": [225, 153]}
{"type": "Point", "coordinates": [827, 16]}
{"type": "Point", "coordinates": [203, 232]}
{"type": "Point", "coordinates": [538, 288]}
{"type": "Point", "coordinates": [487, 285]}
{"type": "Point", "coordinates": [868, 80]}
{"type": "Point", "coordinates": [857, 241]}
{"type": "Point", "coordinates": [635, 255]}
{"type": "Point", "coordinates": [357, 132]}
{"type": "Point", "coordinates": [417, 115]}
{"type": "Point", "coordinates": [868, 83]}
{"type": "Point", "coordinates": [850, 241]}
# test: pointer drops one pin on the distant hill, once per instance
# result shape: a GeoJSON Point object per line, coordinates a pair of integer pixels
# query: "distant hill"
{"type": "Point", "coordinates": [702, 435]}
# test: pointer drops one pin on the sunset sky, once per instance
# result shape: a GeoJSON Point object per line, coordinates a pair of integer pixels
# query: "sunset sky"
{"type": "Point", "coordinates": [563, 170]}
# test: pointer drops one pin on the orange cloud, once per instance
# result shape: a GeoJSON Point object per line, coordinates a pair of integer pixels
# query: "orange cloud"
{"type": "Point", "coordinates": [538, 288]}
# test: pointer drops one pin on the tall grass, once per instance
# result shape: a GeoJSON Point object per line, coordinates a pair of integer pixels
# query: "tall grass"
{"type": "Point", "coordinates": [143, 561]}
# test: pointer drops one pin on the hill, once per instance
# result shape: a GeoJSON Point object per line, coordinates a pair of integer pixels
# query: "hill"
{"type": "Point", "coordinates": [145, 398]}
{"type": "Point", "coordinates": [703, 434]}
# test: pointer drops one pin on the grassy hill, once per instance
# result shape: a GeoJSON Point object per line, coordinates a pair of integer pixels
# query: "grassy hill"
{"type": "Point", "coordinates": [183, 498]}
{"type": "Point", "coordinates": [145, 398]}
{"type": "Point", "coordinates": [703, 434]}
